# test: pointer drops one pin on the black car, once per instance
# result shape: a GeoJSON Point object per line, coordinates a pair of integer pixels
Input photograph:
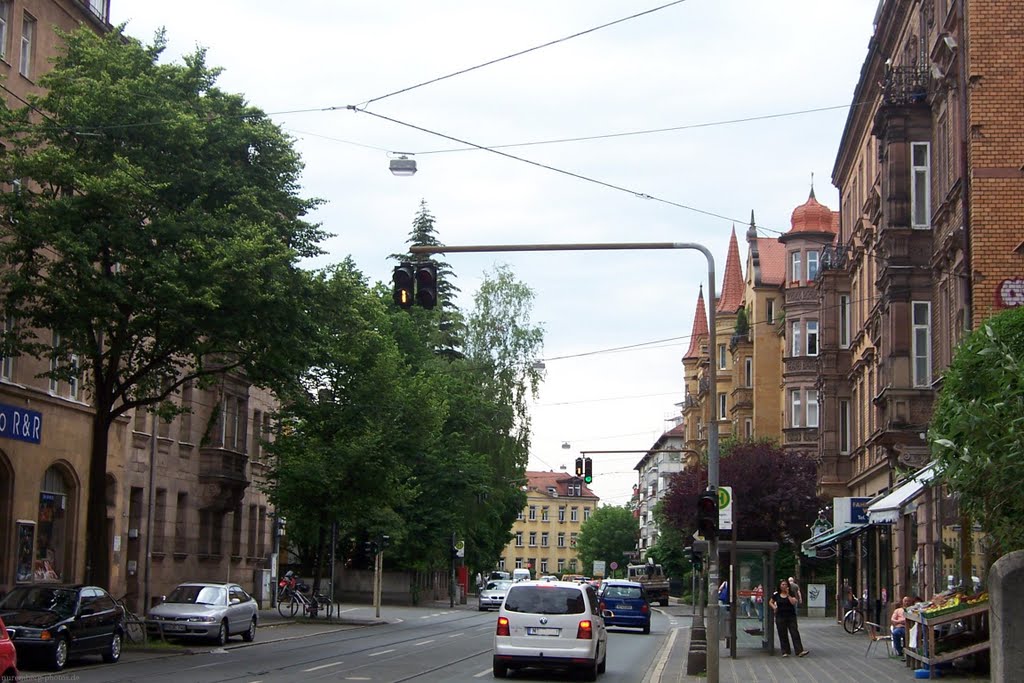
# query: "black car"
{"type": "Point", "coordinates": [55, 622]}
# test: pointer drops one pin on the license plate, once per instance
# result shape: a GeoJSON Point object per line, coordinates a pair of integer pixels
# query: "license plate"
{"type": "Point", "coordinates": [174, 627]}
{"type": "Point", "coordinates": [541, 631]}
{"type": "Point", "coordinates": [624, 607]}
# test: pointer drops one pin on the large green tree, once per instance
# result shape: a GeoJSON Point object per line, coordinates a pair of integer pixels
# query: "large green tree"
{"type": "Point", "coordinates": [156, 229]}
{"type": "Point", "coordinates": [608, 535]}
{"type": "Point", "coordinates": [977, 430]}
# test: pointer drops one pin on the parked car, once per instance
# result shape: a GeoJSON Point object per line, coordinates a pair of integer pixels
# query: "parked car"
{"type": "Point", "coordinates": [8, 656]}
{"type": "Point", "coordinates": [493, 594]}
{"type": "Point", "coordinates": [624, 603]}
{"type": "Point", "coordinates": [550, 625]}
{"type": "Point", "coordinates": [205, 610]}
{"type": "Point", "coordinates": [53, 623]}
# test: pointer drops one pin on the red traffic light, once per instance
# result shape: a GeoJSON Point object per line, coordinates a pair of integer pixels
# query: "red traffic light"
{"type": "Point", "coordinates": [426, 284]}
{"type": "Point", "coordinates": [707, 514]}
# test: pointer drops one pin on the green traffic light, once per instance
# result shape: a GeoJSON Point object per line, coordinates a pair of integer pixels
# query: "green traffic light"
{"type": "Point", "coordinates": [588, 479]}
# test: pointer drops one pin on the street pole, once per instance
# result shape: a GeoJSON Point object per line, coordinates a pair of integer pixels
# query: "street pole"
{"type": "Point", "coordinates": [451, 584]}
{"type": "Point", "coordinates": [378, 570]}
{"type": "Point", "coordinates": [712, 628]}
{"type": "Point", "coordinates": [334, 545]}
{"type": "Point", "coordinates": [149, 515]}
{"type": "Point", "coordinates": [275, 551]}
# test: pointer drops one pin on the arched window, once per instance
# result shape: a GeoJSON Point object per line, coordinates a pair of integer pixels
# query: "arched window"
{"type": "Point", "coordinates": [53, 531]}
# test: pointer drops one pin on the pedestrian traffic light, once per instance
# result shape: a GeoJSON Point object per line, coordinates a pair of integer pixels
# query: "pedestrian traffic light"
{"type": "Point", "coordinates": [696, 558]}
{"type": "Point", "coordinates": [579, 467]}
{"type": "Point", "coordinates": [426, 284]}
{"type": "Point", "coordinates": [707, 515]}
{"type": "Point", "coordinates": [403, 281]}
{"type": "Point", "coordinates": [588, 470]}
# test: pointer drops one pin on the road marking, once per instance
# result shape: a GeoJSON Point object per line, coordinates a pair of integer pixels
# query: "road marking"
{"type": "Point", "coordinates": [350, 609]}
{"type": "Point", "coordinates": [456, 635]}
{"type": "Point", "coordinates": [483, 673]}
{"type": "Point", "coordinates": [382, 652]}
{"type": "Point", "coordinates": [322, 666]}
{"type": "Point", "coordinates": [666, 651]}
{"type": "Point", "coordinates": [424, 642]}
{"type": "Point", "coordinates": [203, 666]}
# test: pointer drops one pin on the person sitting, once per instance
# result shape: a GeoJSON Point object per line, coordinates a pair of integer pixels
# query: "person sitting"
{"type": "Point", "coordinates": [898, 625]}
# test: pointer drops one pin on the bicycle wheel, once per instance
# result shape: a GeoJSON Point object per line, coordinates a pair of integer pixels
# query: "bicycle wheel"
{"type": "Point", "coordinates": [853, 621]}
{"type": "Point", "coordinates": [287, 605]}
{"type": "Point", "coordinates": [134, 629]}
{"type": "Point", "coordinates": [329, 608]}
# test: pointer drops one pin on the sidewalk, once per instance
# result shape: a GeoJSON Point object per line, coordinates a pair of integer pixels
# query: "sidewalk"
{"type": "Point", "coordinates": [835, 657]}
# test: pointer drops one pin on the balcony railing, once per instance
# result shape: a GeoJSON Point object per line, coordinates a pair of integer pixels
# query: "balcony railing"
{"type": "Point", "coordinates": [833, 257]}
{"type": "Point", "coordinates": [217, 463]}
{"type": "Point", "coordinates": [905, 85]}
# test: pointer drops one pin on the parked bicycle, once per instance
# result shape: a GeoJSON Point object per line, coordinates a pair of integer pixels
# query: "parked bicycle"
{"type": "Point", "coordinates": [292, 596]}
{"type": "Point", "coordinates": [853, 620]}
{"type": "Point", "coordinates": [134, 626]}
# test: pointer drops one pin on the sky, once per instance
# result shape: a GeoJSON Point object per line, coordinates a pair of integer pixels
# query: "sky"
{"type": "Point", "coordinates": [757, 94]}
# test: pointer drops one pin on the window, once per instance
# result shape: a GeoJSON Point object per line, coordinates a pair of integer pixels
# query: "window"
{"type": "Point", "coordinates": [73, 379]}
{"type": "Point", "coordinates": [544, 539]}
{"type": "Point", "coordinates": [794, 408]}
{"type": "Point", "coordinates": [561, 513]}
{"type": "Point", "coordinates": [252, 531]}
{"type": "Point", "coordinates": [185, 427]}
{"type": "Point", "coordinates": [519, 539]}
{"type": "Point", "coordinates": [544, 564]}
{"type": "Point", "coordinates": [261, 532]}
{"type": "Point", "coordinates": [586, 514]}
{"type": "Point", "coordinates": [721, 405]}
{"type": "Point", "coordinates": [257, 446]}
{"type": "Point", "coordinates": [544, 514]}
{"type": "Point", "coordinates": [796, 270]}
{"type": "Point", "coordinates": [920, 186]}
{"type": "Point", "coordinates": [572, 539]}
{"type": "Point", "coordinates": [561, 539]}
{"type": "Point", "coordinates": [844, 425]}
{"type": "Point", "coordinates": [561, 566]}
{"type": "Point", "coordinates": [769, 307]}
{"type": "Point", "coordinates": [748, 371]}
{"type": "Point", "coordinates": [7, 362]}
{"type": "Point", "coordinates": [180, 524]}
{"type": "Point", "coordinates": [812, 407]}
{"type": "Point", "coordinates": [5, 23]}
{"type": "Point", "coordinates": [211, 528]}
{"type": "Point", "coordinates": [722, 354]}
{"type": "Point", "coordinates": [812, 265]}
{"type": "Point", "coordinates": [519, 563]}
{"type": "Point", "coordinates": [574, 514]}
{"type": "Point", "coordinates": [236, 531]}
{"type": "Point", "coordinates": [533, 513]}
{"type": "Point", "coordinates": [159, 517]}
{"type": "Point", "coordinates": [28, 34]}
{"type": "Point", "coordinates": [533, 539]}
{"type": "Point", "coordinates": [748, 429]}
{"type": "Point", "coordinates": [796, 349]}
{"type": "Point", "coordinates": [812, 337]}
{"type": "Point", "coordinates": [521, 516]}
{"type": "Point", "coordinates": [233, 414]}
{"type": "Point", "coordinates": [54, 363]}
{"type": "Point", "coordinates": [844, 321]}
{"type": "Point", "coordinates": [922, 343]}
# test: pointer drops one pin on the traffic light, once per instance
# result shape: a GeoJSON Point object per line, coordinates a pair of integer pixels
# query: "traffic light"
{"type": "Point", "coordinates": [696, 558]}
{"type": "Point", "coordinates": [588, 470]}
{"type": "Point", "coordinates": [579, 467]}
{"type": "Point", "coordinates": [707, 515]}
{"type": "Point", "coordinates": [403, 280]}
{"type": "Point", "coordinates": [426, 284]}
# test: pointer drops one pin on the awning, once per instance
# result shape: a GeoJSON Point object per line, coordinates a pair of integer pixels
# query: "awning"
{"type": "Point", "coordinates": [833, 537]}
{"type": "Point", "coordinates": [887, 509]}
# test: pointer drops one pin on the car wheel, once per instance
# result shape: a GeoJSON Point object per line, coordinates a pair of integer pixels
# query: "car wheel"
{"type": "Point", "coordinates": [500, 670]}
{"type": "Point", "coordinates": [481, 608]}
{"type": "Point", "coordinates": [113, 651]}
{"type": "Point", "coordinates": [59, 656]}
{"type": "Point", "coordinates": [647, 628]}
{"type": "Point", "coordinates": [222, 633]}
{"type": "Point", "coordinates": [9, 677]}
{"type": "Point", "coordinates": [664, 603]}
{"type": "Point", "coordinates": [603, 666]}
{"type": "Point", "coordinates": [250, 635]}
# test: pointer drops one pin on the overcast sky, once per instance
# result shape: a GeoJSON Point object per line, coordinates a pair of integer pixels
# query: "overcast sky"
{"type": "Point", "coordinates": [699, 66]}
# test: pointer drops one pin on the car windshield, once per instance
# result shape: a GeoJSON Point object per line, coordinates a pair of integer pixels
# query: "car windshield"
{"type": "Point", "coordinates": [545, 599]}
{"type": "Point", "coordinates": [198, 595]}
{"type": "Point", "coordinates": [59, 600]}
{"type": "Point", "coordinates": [498, 585]}
{"type": "Point", "coordinates": [624, 592]}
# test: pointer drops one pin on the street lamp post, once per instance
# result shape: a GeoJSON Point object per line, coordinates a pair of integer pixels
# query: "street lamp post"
{"type": "Point", "coordinates": [712, 627]}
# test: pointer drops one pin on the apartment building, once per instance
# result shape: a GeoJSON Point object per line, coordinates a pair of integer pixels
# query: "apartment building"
{"type": "Point", "coordinates": [545, 532]}
{"type": "Point", "coordinates": [654, 471]}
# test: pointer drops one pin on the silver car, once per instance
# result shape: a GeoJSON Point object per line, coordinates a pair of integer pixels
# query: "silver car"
{"type": "Point", "coordinates": [493, 594]}
{"type": "Point", "coordinates": [205, 610]}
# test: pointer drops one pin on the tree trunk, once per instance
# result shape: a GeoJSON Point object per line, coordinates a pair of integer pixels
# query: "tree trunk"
{"type": "Point", "coordinates": [318, 566]}
{"type": "Point", "coordinates": [97, 547]}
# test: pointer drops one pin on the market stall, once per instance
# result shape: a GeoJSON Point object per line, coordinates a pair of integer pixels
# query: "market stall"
{"type": "Point", "coordinates": [951, 626]}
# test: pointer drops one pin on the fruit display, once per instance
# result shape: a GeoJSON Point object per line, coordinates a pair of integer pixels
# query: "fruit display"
{"type": "Point", "coordinates": [951, 601]}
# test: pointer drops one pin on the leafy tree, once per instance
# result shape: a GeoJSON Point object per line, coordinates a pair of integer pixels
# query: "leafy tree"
{"type": "Point", "coordinates": [157, 230]}
{"type": "Point", "coordinates": [670, 549]}
{"type": "Point", "coordinates": [608, 535]}
{"type": "Point", "coordinates": [774, 494]}
{"type": "Point", "coordinates": [977, 430]}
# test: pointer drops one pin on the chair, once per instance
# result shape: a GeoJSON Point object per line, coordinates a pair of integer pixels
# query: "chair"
{"type": "Point", "coordinates": [875, 635]}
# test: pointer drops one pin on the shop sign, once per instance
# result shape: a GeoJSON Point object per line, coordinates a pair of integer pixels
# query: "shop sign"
{"type": "Point", "coordinates": [20, 424]}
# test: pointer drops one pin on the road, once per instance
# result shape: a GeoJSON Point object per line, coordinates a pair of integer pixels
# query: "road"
{"type": "Point", "coordinates": [416, 644]}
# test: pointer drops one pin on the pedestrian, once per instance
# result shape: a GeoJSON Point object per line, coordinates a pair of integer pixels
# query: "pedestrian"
{"type": "Point", "coordinates": [784, 604]}
{"type": "Point", "coordinates": [723, 593]}
{"type": "Point", "coordinates": [898, 624]}
{"type": "Point", "coordinates": [794, 588]}
{"type": "Point", "coordinates": [759, 601]}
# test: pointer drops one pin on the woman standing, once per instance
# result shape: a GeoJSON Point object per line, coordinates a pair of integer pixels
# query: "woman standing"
{"type": "Point", "coordinates": [784, 603]}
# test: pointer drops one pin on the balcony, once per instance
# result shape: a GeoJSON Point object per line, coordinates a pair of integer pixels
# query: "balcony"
{"type": "Point", "coordinates": [905, 85]}
{"type": "Point", "coordinates": [793, 436]}
{"type": "Point", "coordinates": [742, 397]}
{"type": "Point", "coordinates": [224, 476]}
{"type": "Point", "coordinates": [833, 258]}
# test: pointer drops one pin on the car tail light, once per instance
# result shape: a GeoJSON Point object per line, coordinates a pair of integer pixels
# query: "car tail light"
{"type": "Point", "coordinates": [503, 627]}
{"type": "Point", "coordinates": [585, 631]}
{"type": "Point", "coordinates": [645, 609]}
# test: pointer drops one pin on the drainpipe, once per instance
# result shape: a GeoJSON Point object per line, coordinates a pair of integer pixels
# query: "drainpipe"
{"type": "Point", "coordinates": [965, 170]}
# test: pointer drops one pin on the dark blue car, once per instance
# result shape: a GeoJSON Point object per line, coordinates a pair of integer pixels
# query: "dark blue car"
{"type": "Point", "coordinates": [624, 603]}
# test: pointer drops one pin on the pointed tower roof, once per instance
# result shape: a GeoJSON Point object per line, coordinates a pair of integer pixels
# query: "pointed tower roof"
{"type": "Point", "coordinates": [811, 217]}
{"type": "Point", "coordinates": [700, 328]}
{"type": "Point", "coordinates": [732, 283]}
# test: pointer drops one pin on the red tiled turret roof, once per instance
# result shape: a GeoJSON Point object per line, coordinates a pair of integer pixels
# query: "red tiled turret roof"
{"type": "Point", "coordinates": [812, 217]}
{"type": "Point", "coordinates": [732, 282]}
{"type": "Point", "coordinates": [700, 327]}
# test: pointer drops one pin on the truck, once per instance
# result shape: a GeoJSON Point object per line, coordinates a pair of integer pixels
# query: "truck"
{"type": "Point", "coordinates": [654, 581]}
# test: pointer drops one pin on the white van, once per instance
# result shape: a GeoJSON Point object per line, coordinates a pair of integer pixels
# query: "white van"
{"type": "Point", "coordinates": [521, 574]}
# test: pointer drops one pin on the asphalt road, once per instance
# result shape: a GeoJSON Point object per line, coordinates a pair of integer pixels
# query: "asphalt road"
{"type": "Point", "coordinates": [413, 644]}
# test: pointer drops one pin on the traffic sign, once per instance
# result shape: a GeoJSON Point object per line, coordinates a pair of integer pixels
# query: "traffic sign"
{"type": "Point", "coordinates": [460, 548]}
{"type": "Point", "coordinates": [725, 508]}
{"type": "Point", "coordinates": [614, 565]}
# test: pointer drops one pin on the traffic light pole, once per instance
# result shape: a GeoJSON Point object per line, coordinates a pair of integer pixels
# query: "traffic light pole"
{"type": "Point", "coordinates": [712, 627]}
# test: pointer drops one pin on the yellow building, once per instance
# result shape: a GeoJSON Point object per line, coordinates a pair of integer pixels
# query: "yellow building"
{"type": "Point", "coordinates": [557, 505]}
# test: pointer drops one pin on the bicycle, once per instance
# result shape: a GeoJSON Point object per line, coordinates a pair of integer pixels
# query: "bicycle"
{"type": "Point", "coordinates": [134, 626]}
{"type": "Point", "coordinates": [292, 596]}
{"type": "Point", "coordinates": [853, 620]}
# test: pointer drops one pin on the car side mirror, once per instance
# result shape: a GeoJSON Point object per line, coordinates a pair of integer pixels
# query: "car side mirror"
{"type": "Point", "coordinates": [235, 601]}
{"type": "Point", "coordinates": [607, 613]}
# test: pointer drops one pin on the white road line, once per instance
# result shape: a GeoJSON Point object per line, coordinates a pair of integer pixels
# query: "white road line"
{"type": "Point", "coordinates": [322, 666]}
{"type": "Point", "coordinates": [203, 666]}
{"type": "Point", "coordinates": [350, 609]}
{"type": "Point", "coordinates": [485, 672]}
{"type": "Point", "coordinates": [382, 652]}
{"type": "Point", "coordinates": [426, 617]}
{"type": "Point", "coordinates": [456, 635]}
{"type": "Point", "coordinates": [665, 653]}
{"type": "Point", "coordinates": [424, 642]}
